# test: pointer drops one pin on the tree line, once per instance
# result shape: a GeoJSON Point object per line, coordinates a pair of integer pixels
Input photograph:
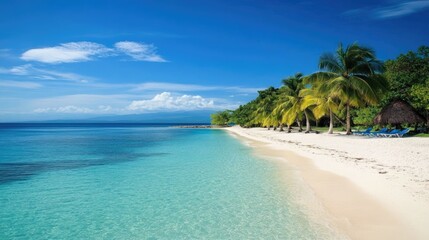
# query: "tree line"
{"type": "Point", "coordinates": [349, 89]}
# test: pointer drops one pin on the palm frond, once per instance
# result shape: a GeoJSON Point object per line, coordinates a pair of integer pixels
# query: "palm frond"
{"type": "Point", "coordinates": [329, 62]}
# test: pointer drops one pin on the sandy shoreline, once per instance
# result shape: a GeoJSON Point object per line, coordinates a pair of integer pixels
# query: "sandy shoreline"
{"type": "Point", "coordinates": [371, 188]}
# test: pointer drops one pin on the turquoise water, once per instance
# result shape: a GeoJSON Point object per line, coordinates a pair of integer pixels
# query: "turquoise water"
{"type": "Point", "coordinates": [90, 182]}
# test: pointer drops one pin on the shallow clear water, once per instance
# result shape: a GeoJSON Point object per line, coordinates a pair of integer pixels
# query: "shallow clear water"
{"type": "Point", "coordinates": [89, 182]}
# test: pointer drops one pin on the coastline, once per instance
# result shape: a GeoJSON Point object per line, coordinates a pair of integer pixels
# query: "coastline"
{"type": "Point", "coordinates": [367, 193]}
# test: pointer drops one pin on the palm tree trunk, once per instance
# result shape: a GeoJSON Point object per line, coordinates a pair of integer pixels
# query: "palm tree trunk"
{"type": "Point", "coordinates": [281, 127]}
{"type": "Point", "coordinates": [299, 125]}
{"type": "Point", "coordinates": [307, 123]}
{"type": "Point", "coordinates": [331, 122]}
{"type": "Point", "coordinates": [427, 121]}
{"type": "Point", "coordinates": [289, 128]}
{"type": "Point", "coordinates": [348, 124]}
{"type": "Point", "coordinates": [339, 120]}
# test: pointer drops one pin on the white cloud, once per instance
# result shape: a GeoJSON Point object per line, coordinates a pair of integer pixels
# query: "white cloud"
{"type": "Point", "coordinates": [73, 109]}
{"type": "Point", "coordinates": [104, 108]}
{"type": "Point", "coordinates": [6, 53]}
{"type": "Point", "coordinates": [54, 75]}
{"type": "Point", "coordinates": [32, 72]}
{"type": "Point", "coordinates": [384, 12]}
{"type": "Point", "coordinates": [65, 109]}
{"type": "Point", "coordinates": [166, 101]}
{"type": "Point", "coordinates": [86, 51]}
{"type": "Point", "coordinates": [86, 100]}
{"type": "Point", "coordinates": [66, 52]}
{"type": "Point", "coordinates": [20, 70]}
{"type": "Point", "coordinates": [17, 70]}
{"type": "Point", "coordinates": [401, 9]}
{"type": "Point", "coordinates": [164, 86]}
{"type": "Point", "coordinates": [139, 51]}
{"type": "Point", "coordinates": [19, 84]}
{"type": "Point", "coordinates": [87, 104]}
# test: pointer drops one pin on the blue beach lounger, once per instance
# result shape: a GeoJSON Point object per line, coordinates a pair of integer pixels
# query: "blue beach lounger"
{"type": "Point", "coordinates": [367, 131]}
{"type": "Point", "coordinates": [375, 134]}
{"type": "Point", "coordinates": [402, 133]}
{"type": "Point", "coordinates": [389, 134]}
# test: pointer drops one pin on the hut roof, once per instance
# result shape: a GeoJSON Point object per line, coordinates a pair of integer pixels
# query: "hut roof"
{"type": "Point", "coordinates": [398, 112]}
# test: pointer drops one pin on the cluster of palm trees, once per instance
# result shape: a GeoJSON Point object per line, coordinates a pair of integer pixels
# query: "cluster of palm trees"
{"type": "Point", "coordinates": [350, 78]}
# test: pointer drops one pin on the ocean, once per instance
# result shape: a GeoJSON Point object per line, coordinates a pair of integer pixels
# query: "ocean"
{"type": "Point", "coordinates": [133, 181]}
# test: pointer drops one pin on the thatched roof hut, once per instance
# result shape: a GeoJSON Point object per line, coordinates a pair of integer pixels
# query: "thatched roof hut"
{"type": "Point", "coordinates": [398, 112]}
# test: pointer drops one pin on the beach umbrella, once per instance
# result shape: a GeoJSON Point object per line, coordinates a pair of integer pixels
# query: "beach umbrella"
{"type": "Point", "coordinates": [398, 112]}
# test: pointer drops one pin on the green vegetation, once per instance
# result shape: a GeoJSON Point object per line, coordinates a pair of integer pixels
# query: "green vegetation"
{"type": "Point", "coordinates": [289, 105]}
{"type": "Point", "coordinates": [350, 89]}
{"type": "Point", "coordinates": [422, 135]}
{"type": "Point", "coordinates": [326, 129]}
{"type": "Point", "coordinates": [352, 76]}
{"type": "Point", "coordinates": [365, 116]}
{"type": "Point", "coordinates": [406, 71]}
{"type": "Point", "coordinates": [222, 118]}
{"type": "Point", "coordinates": [408, 77]}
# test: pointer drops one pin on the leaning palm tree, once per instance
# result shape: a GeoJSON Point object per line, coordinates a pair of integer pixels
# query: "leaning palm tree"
{"type": "Point", "coordinates": [281, 108]}
{"type": "Point", "coordinates": [321, 102]}
{"type": "Point", "coordinates": [353, 74]}
{"type": "Point", "coordinates": [264, 107]}
{"type": "Point", "coordinates": [273, 120]}
{"type": "Point", "coordinates": [292, 101]}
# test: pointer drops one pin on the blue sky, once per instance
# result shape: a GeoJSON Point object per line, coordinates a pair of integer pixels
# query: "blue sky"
{"type": "Point", "coordinates": [83, 59]}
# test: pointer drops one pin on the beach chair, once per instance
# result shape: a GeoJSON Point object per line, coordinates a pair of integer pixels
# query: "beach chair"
{"type": "Point", "coordinates": [402, 133]}
{"type": "Point", "coordinates": [367, 131]}
{"type": "Point", "coordinates": [389, 134]}
{"type": "Point", "coordinates": [375, 134]}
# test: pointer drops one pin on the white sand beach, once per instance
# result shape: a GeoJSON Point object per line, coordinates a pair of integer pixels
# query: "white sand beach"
{"type": "Point", "coordinates": [372, 188]}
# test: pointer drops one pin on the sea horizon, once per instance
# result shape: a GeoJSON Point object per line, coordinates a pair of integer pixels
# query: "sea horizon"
{"type": "Point", "coordinates": [93, 124]}
{"type": "Point", "coordinates": [214, 119]}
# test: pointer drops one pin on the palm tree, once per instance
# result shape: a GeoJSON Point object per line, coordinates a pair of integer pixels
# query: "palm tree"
{"type": "Point", "coordinates": [264, 107]}
{"type": "Point", "coordinates": [321, 102]}
{"type": "Point", "coordinates": [353, 74]}
{"type": "Point", "coordinates": [291, 101]}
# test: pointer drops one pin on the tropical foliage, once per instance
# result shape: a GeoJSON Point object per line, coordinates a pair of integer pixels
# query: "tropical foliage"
{"type": "Point", "coordinates": [353, 74]}
{"type": "Point", "coordinates": [350, 88]}
{"type": "Point", "coordinates": [408, 77]}
{"type": "Point", "coordinates": [221, 118]}
{"type": "Point", "coordinates": [290, 103]}
{"type": "Point", "coordinates": [365, 116]}
{"type": "Point", "coordinates": [322, 102]}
